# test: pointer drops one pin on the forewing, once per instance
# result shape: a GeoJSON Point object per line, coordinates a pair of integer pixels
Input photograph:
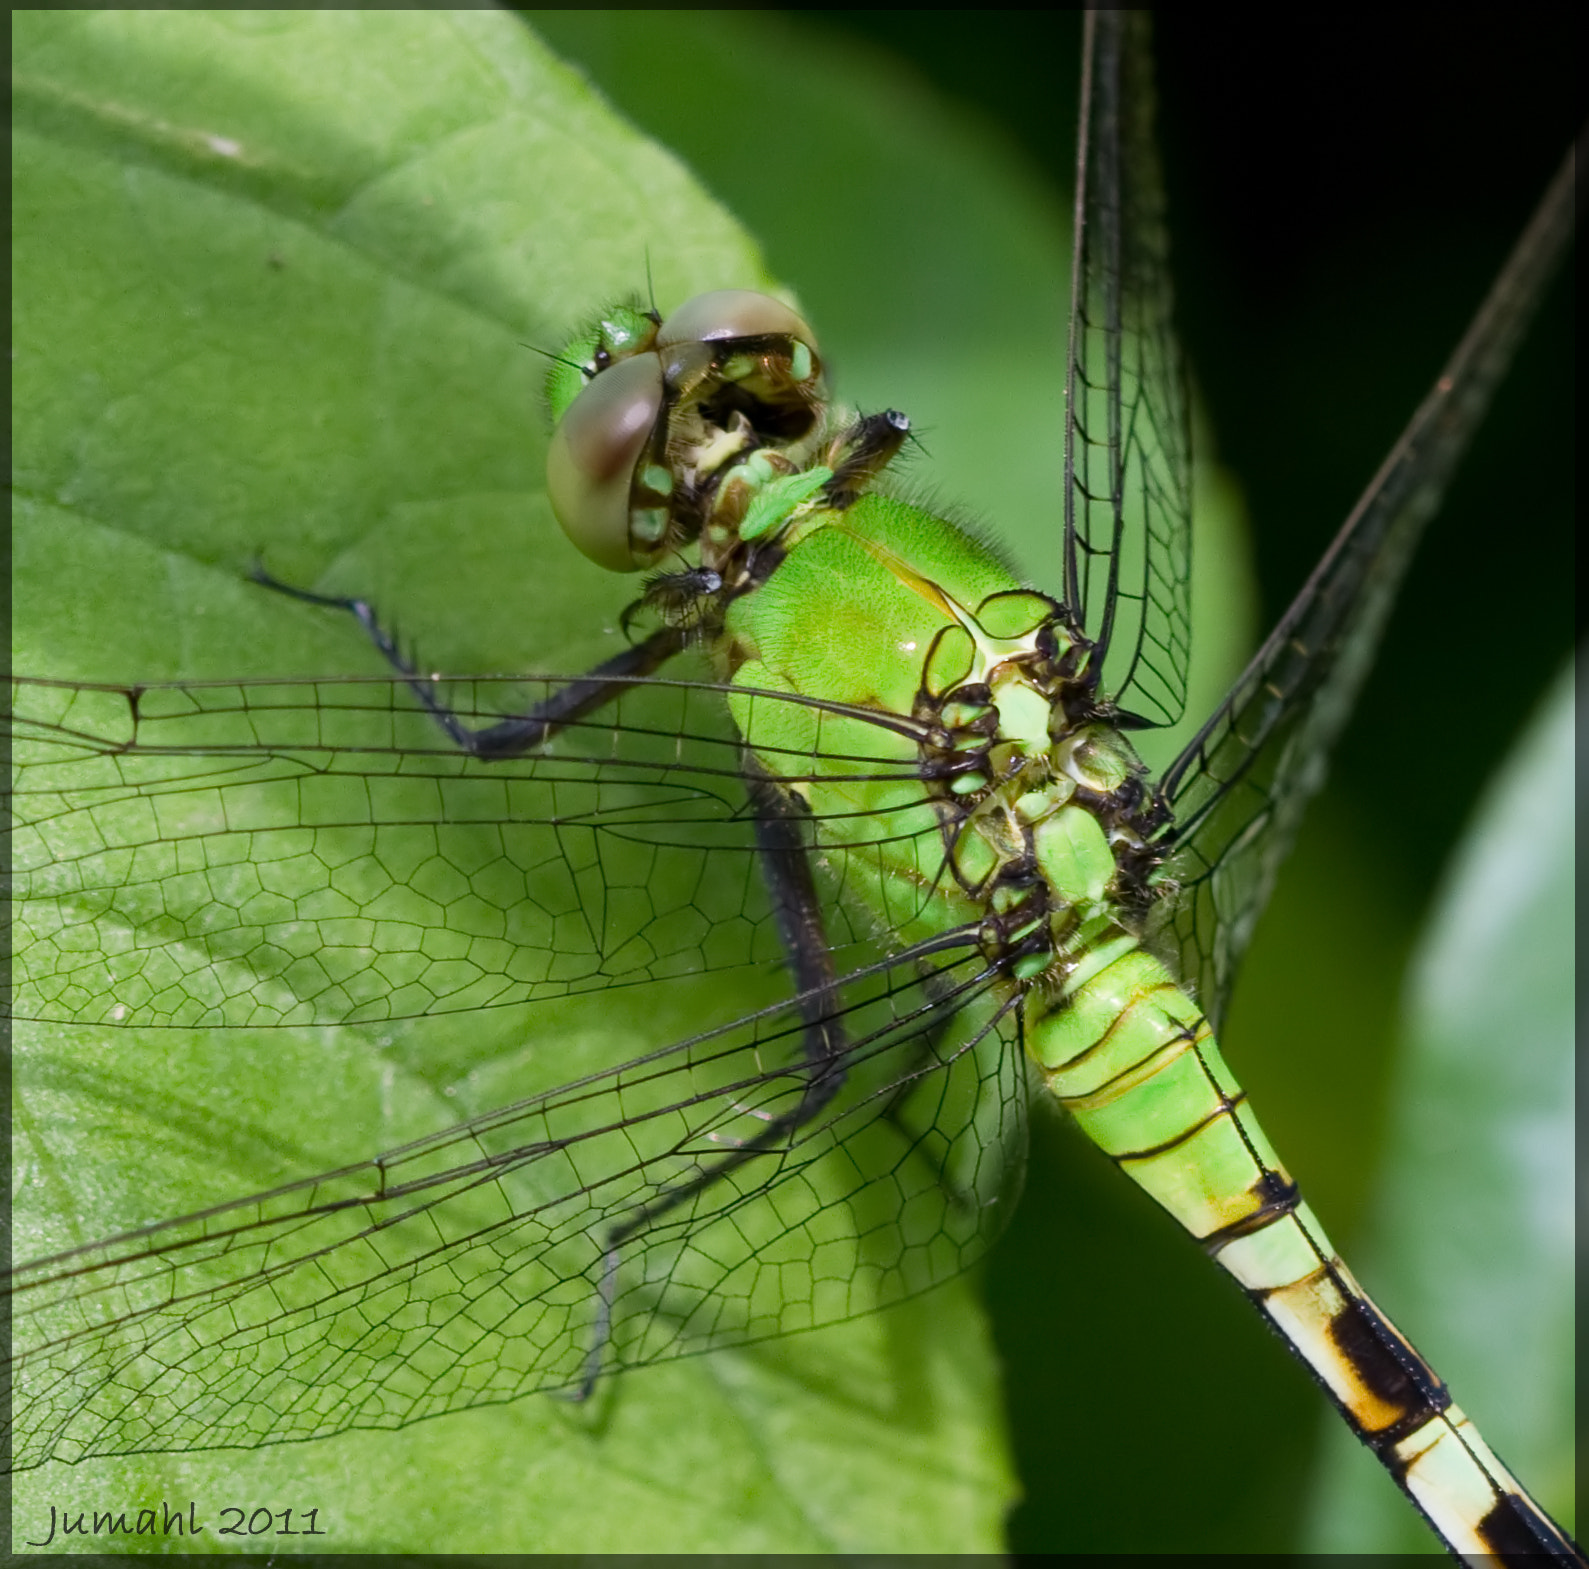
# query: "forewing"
{"type": "Point", "coordinates": [1127, 443]}
{"type": "Point", "coordinates": [304, 853]}
{"type": "Point", "coordinates": [1239, 788]}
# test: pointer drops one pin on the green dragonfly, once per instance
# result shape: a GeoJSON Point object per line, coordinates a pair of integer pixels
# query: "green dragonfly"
{"type": "Point", "coordinates": [595, 1342]}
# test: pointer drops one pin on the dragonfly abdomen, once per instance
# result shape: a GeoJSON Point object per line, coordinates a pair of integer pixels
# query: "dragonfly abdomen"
{"type": "Point", "coordinates": [1135, 1062]}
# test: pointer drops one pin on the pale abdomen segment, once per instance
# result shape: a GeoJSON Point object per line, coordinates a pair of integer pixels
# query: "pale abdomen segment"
{"type": "Point", "coordinates": [1132, 1058]}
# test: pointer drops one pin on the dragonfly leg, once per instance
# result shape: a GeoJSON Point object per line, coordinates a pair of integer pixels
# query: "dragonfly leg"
{"type": "Point", "coordinates": [524, 732]}
{"type": "Point", "coordinates": [786, 865]}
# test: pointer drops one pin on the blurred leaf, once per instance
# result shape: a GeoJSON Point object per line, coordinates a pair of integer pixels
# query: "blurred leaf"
{"type": "Point", "coordinates": [1472, 1227]}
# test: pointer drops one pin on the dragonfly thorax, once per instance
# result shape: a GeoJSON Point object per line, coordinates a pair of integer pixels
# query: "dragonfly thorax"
{"type": "Point", "coordinates": [1040, 817]}
{"type": "Point", "coordinates": [952, 740]}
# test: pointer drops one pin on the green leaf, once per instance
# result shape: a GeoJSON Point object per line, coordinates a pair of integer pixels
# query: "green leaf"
{"type": "Point", "coordinates": [276, 277]}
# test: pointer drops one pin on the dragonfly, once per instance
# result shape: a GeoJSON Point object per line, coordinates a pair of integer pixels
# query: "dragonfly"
{"type": "Point", "coordinates": [418, 749]}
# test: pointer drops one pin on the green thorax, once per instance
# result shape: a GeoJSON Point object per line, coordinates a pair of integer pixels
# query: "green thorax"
{"type": "Point", "coordinates": [951, 735]}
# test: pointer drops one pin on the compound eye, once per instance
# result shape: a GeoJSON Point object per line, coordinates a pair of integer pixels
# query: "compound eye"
{"type": "Point", "coordinates": [591, 462]}
{"type": "Point", "coordinates": [733, 313]}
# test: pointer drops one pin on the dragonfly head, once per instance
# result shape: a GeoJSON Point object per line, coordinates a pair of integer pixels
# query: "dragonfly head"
{"type": "Point", "coordinates": [652, 414]}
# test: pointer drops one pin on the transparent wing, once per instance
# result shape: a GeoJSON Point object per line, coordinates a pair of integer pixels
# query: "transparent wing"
{"type": "Point", "coordinates": [285, 854]}
{"type": "Point", "coordinates": [183, 845]}
{"type": "Point", "coordinates": [288, 853]}
{"type": "Point", "coordinates": [1238, 789]}
{"type": "Point", "coordinates": [1127, 442]}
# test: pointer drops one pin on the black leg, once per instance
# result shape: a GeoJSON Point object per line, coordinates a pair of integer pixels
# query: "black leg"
{"type": "Point", "coordinates": [510, 737]}
{"type": "Point", "coordinates": [786, 865]}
